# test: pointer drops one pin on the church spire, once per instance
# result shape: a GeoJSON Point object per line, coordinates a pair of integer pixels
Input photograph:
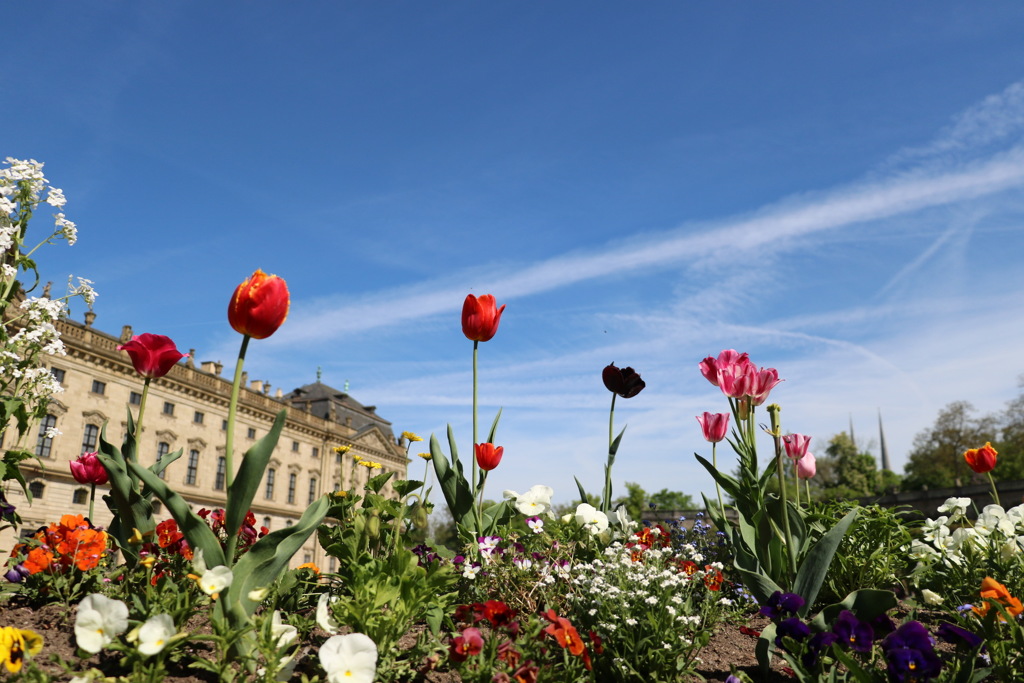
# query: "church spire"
{"type": "Point", "coordinates": [883, 451]}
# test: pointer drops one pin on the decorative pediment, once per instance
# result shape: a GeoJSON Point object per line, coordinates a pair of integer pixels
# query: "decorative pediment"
{"type": "Point", "coordinates": [166, 435]}
{"type": "Point", "coordinates": [196, 444]}
{"type": "Point", "coordinates": [94, 416]}
{"type": "Point", "coordinates": [56, 408]}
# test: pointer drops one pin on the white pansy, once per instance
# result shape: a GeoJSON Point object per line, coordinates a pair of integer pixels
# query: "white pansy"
{"type": "Point", "coordinates": [536, 501]}
{"type": "Point", "coordinates": [591, 518]}
{"type": "Point", "coordinates": [350, 658]}
{"type": "Point", "coordinates": [955, 507]}
{"type": "Point", "coordinates": [324, 618]}
{"type": "Point", "coordinates": [283, 634]}
{"type": "Point", "coordinates": [155, 633]}
{"type": "Point", "coordinates": [98, 621]}
{"type": "Point", "coordinates": [215, 580]}
{"type": "Point", "coordinates": [931, 597]}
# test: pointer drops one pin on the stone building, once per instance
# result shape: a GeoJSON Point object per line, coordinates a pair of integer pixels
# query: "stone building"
{"type": "Point", "coordinates": [187, 410]}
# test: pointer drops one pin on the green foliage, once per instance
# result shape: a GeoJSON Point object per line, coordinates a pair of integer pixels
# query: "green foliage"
{"type": "Point", "coordinates": [871, 554]}
{"type": "Point", "coordinates": [937, 457]}
{"type": "Point", "coordinates": [845, 472]}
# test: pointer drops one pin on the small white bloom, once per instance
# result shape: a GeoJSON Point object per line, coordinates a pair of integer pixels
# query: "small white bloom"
{"type": "Point", "coordinates": [258, 594]}
{"type": "Point", "coordinates": [931, 597]}
{"type": "Point", "coordinates": [213, 581]}
{"type": "Point", "coordinates": [284, 634]}
{"type": "Point", "coordinates": [470, 571]}
{"type": "Point", "coordinates": [536, 501]}
{"type": "Point", "coordinates": [350, 658]}
{"type": "Point", "coordinates": [324, 618]}
{"type": "Point", "coordinates": [154, 634]}
{"type": "Point", "coordinates": [99, 620]}
{"type": "Point", "coordinates": [591, 518]}
{"type": "Point", "coordinates": [536, 524]}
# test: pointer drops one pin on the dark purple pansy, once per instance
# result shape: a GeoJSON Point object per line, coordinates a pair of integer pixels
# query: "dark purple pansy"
{"type": "Point", "coordinates": [853, 633]}
{"type": "Point", "coordinates": [819, 643]}
{"type": "Point", "coordinates": [910, 654]}
{"type": "Point", "coordinates": [794, 628]}
{"type": "Point", "coordinates": [782, 605]}
{"type": "Point", "coordinates": [959, 636]}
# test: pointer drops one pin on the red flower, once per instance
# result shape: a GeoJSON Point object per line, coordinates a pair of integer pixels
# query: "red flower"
{"type": "Point", "coordinates": [498, 613]}
{"type": "Point", "coordinates": [981, 460]}
{"type": "Point", "coordinates": [259, 305]}
{"type": "Point", "coordinates": [713, 579]}
{"type": "Point", "coordinates": [625, 382]}
{"type": "Point", "coordinates": [480, 317]}
{"type": "Point", "coordinates": [153, 355]}
{"type": "Point", "coordinates": [469, 643]}
{"type": "Point", "coordinates": [714, 425]}
{"type": "Point", "coordinates": [562, 630]}
{"type": "Point", "coordinates": [88, 469]}
{"type": "Point", "coordinates": [488, 455]}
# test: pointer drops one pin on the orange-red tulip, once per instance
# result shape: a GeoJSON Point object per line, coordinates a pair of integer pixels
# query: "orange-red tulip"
{"type": "Point", "coordinates": [488, 455]}
{"type": "Point", "coordinates": [259, 305]}
{"type": "Point", "coordinates": [981, 460]}
{"type": "Point", "coordinates": [480, 317]}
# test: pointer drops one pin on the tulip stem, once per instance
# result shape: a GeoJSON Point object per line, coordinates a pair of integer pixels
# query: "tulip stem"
{"type": "Point", "coordinates": [138, 422]}
{"type": "Point", "coordinates": [606, 495]}
{"type": "Point", "coordinates": [796, 479]}
{"type": "Point", "coordinates": [790, 550]}
{"type": "Point", "coordinates": [718, 487]}
{"type": "Point", "coordinates": [995, 492]}
{"type": "Point", "coordinates": [229, 471]}
{"type": "Point", "coordinates": [474, 482]}
{"type": "Point", "coordinates": [92, 501]}
{"type": "Point", "coordinates": [480, 506]}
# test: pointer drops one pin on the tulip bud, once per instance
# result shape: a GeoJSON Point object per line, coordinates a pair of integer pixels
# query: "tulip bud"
{"type": "Point", "coordinates": [373, 525]}
{"type": "Point", "coordinates": [488, 455]}
{"type": "Point", "coordinates": [480, 317]}
{"type": "Point", "coordinates": [981, 460]}
{"type": "Point", "coordinates": [714, 426]}
{"type": "Point", "coordinates": [259, 305]}
{"type": "Point", "coordinates": [153, 355]}
{"type": "Point", "coordinates": [796, 445]}
{"type": "Point", "coordinates": [806, 467]}
{"type": "Point", "coordinates": [88, 469]}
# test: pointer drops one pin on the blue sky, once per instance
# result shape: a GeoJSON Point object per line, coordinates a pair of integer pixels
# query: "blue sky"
{"type": "Point", "coordinates": [836, 188]}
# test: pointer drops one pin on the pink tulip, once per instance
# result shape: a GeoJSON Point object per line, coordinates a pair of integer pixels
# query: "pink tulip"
{"type": "Point", "coordinates": [764, 380]}
{"type": "Point", "coordinates": [153, 355]}
{"type": "Point", "coordinates": [796, 445]}
{"type": "Point", "coordinates": [88, 469]}
{"type": "Point", "coordinates": [806, 466]}
{"type": "Point", "coordinates": [710, 367]}
{"type": "Point", "coordinates": [714, 425]}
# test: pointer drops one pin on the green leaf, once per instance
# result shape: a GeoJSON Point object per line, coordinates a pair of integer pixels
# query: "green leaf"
{"type": "Point", "coordinates": [765, 647]}
{"type": "Point", "coordinates": [728, 484]}
{"type": "Point", "coordinates": [866, 604]}
{"type": "Point", "coordinates": [494, 427]}
{"type": "Point", "coordinates": [811, 573]}
{"type": "Point", "coordinates": [195, 529]}
{"type": "Point", "coordinates": [250, 473]}
{"type": "Point", "coordinates": [454, 486]}
{"type": "Point", "coordinates": [403, 487]}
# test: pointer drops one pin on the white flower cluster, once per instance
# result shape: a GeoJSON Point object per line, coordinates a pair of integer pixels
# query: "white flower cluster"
{"type": "Point", "coordinates": [630, 597]}
{"type": "Point", "coordinates": [951, 539]}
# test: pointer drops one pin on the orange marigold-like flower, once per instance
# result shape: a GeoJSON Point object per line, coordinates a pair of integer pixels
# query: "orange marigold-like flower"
{"type": "Point", "coordinates": [309, 565]}
{"type": "Point", "coordinates": [993, 590]}
{"type": "Point", "coordinates": [38, 560]}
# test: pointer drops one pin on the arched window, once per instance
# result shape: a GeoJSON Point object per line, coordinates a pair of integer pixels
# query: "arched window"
{"type": "Point", "coordinates": [44, 443]}
{"type": "Point", "coordinates": [221, 469]}
{"type": "Point", "coordinates": [292, 481]}
{"type": "Point", "coordinates": [193, 467]}
{"type": "Point", "coordinates": [162, 449]}
{"type": "Point", "coordinates": [80, 497]}
{"type": "Point", "coordinates": [269, 492]}
{"type": "Point", "coordinates": [90, 438]}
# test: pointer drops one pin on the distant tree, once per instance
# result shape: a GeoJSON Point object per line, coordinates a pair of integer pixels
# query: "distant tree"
{"type": "Point", "coordinates": [846, 472]}
{"type": "Point", "coordinates": [672, 500]}
{"type": "Point", "coordinates": [937, 457]}
{"type": "Point", "coordinates": [1010, 464]}
{"type": "Point", "coordinates": [635, 500]}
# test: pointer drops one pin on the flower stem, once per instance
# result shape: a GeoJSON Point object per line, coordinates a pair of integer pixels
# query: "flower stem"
{"type": "Point", "coordinates": [995, 492]}
{"type": "Point", "coordinates": [232, 412]}
{"type": "Point", "coordinates": [472, 451]}
{"type": "Point", "coordinates": [718, 487]}
{"type": "Point", "coordinates": [606, 495]}
{"type": "Point", "coordinates": [92, 501]}
{"type": "Point", "coordinates": [138, 421]}
{"type": "Point", "coordinates": [796, 480]}
{"type": "Point", "coordinates": [777, 438]}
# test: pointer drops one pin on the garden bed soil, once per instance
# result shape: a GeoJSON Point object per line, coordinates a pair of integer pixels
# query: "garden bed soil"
{"type": "Point", "coordinates": [729, 647]}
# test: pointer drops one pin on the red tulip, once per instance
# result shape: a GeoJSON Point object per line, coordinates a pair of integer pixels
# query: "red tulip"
{"type": "Point", "coordinates": [480, 317]}
{"type": "Point", "coordinates": [88, 469]}
{"type": "Point", "coordinates": [981, 460]}
{"type": "Point", "coordinates": [259, 305]}
{"type": "Point", "coordinates": [153, 355]}
{"type": "Point", "coordinates": [488, 455]}
{"type": "Point", "coordinates": [806, 467]}
{"type": "Point", "coordinates": [714, 425]}
{"type": "Point", "coordinates": [796, 445]}
{"type": "Point", "coordinates": [625, 382]}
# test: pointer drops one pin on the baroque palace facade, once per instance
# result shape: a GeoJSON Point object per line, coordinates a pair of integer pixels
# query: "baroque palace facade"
{"type": "Point", "coordinates": [187, 410]}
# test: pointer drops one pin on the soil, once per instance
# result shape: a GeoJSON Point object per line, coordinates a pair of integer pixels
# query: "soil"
{"type": "Point", "coordinates": [729, 647]}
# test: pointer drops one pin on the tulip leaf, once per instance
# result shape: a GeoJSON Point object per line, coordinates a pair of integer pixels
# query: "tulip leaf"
{"type": "Point", "coordinates": [195, 529]}
{"type": "Point", "coordinates": [765, 647]}
{"type": "Point", "coordinates": [405, 486]}
{"type": "Point", "coordinates": [494, 427]}
{"type": "Point", "coordinates": [453, 484]}
{"type": "Point", "coordinates": [583, 494]}
{"type": "Point", "coordinates": [130, 509]}
{"type": "Point", "coordinates": [250, 474]}
{"type": "Point", "coordinates": [267, 559]}
{"type": "Point", "coordinates": [811, 573]}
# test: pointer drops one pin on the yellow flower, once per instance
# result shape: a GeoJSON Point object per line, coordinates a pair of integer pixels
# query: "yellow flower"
{"type": "Point", "coordinates": [426, 456]}
{"type": "Point", "coordinates": [357, 458]}
{"type": "Point", "coordinates": [339, 494]}
{"type": "Point", "coordinates": [148, 561]}
{"type": "Point", "coordinates": [309, 565]}
{"type": "Point", "coordinates": [342, 449]}
{"type": "Point", "coordinates": [16, 644]}
{"type": "Point", "coordinates": [411, 437]}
